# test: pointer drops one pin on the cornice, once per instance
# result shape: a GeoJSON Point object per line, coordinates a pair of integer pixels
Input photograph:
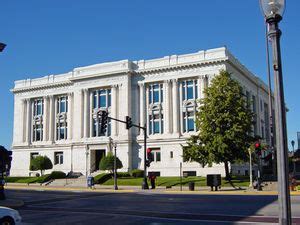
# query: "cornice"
{"type": "Point", "coordinates": [168, 68]}
{"type": "Point", "coordinates": [41, 87]}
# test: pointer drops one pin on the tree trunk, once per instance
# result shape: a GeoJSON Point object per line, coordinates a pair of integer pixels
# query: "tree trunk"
{"type": "Point", "coordinates": [227, 173]}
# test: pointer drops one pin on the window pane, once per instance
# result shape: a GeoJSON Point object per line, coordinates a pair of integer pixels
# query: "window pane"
{"type": "Point", "coordinates": [62, 105]}
{"type": "Point", "coordinates": [156, 127]}
{"type": "Point", "coordinates": [184, 124]}
{"type": "Point", "coordinates": [158, 156]}
{"type": "Point", "coordinates": [150, 126]}
{"type": "Point", "coordinates": [38, 134]}
{"type": "Point", "coordinates": [190, 94]}
{"type": "Point", "coordinates": [102, 101]}
{"type": "Point", "coordinates": [155, 96]}
{"type": "Point", "coordinates": [190, 124]}
{"type": "Point", "coordinates": [39, 108]}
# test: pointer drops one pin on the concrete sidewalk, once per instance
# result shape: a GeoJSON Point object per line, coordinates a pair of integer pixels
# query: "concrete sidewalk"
{"type": "Point", "coordinates": [131, 189]}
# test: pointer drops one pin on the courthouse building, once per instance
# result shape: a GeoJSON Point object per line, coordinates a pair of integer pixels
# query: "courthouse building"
{"type": "Point", "coordinates": [57, 115]}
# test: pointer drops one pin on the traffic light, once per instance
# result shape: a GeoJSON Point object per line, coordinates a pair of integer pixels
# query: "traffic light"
{"type": "Point", "coordinates": [128, 122]}
{"type": "Point", "coordinates": [149, 157]}
{"type": "Point", "coordinates": [257, 148]}
{"type": "Point", "coordinates": [103, 121]}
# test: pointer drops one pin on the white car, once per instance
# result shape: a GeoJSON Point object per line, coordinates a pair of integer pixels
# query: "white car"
{"type": "Point", "coordinates": [9, 216]}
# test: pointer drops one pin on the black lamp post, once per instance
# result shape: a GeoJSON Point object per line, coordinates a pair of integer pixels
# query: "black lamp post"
{"type": "Point", "coordinates": [2, 46]}
{"type": "Point", "coordinates": [294, 163]}
{"type": "Point", "coordinates": [273, 11]}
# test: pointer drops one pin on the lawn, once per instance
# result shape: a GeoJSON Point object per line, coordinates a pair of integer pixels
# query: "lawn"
{"type": "Point", "coordinates": [175, 181]}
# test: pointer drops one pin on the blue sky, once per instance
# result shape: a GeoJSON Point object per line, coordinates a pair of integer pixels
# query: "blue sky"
{"type": "Point", "coordinates": [54, 36]}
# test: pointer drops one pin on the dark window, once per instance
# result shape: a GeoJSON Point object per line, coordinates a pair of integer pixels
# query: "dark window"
{"type": "Point", "coordinates": [190, 173]}
{"type": "Point", "coordinates": [58, 158]}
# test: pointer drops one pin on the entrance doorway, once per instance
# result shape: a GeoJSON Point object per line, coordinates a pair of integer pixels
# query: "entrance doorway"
{"type": "Point", "coordinates": [98, 156]}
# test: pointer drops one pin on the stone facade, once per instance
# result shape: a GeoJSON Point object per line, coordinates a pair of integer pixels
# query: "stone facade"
{"type": "Point", "coordinates": [56, 115]}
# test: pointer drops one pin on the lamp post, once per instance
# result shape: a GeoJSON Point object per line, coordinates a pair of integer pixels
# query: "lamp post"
{"type": "Point", "coordinates": [294, 165]}
{"type": "Point", "coordinates": [273, 11]}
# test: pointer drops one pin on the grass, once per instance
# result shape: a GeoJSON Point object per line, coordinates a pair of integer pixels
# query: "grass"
{"type": "Point", "coordinates": [28, 180]}
{"type": "Point", "coordinates": [175, 181]}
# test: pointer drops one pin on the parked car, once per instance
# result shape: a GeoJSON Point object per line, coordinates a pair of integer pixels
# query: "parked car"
{"type": "Point", "coordinates": [9, 216]}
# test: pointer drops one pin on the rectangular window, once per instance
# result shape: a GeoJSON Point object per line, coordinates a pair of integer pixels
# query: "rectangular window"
{"type": "Point", "coordinates": [37, 132]}
{"type": "Point", "coordinates": [156, 154]}
{"type": "Point", "coordinates": [155, 93]}
{"type": "Point", "coordinates": [171, 154]}
{"type": "Point", "coordinates": [38, 107]}
{"type": "Point", "coordinates": [101, 100]}
{"type": "Point", "coordinates": [189, 89]}
{"type": "Point", "coordinates": [58, 158]}
{"type": "Point", "coordinates": [62, 104]}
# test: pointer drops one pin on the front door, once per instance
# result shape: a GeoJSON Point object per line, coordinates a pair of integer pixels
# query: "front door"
{"type": "Point", "coordinates": [98, 156]}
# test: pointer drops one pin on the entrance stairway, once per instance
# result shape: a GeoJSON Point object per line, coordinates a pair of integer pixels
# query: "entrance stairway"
{"type": "Point", "coordinates": [72, 182]}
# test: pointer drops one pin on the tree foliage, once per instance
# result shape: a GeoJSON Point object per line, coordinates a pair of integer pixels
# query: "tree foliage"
{"type": "Point", "coordinates": [224, 120]}
{"type": "Point", "coordinates": [107, 162]}
{"type": "Point", "coordinates": [40, 163]}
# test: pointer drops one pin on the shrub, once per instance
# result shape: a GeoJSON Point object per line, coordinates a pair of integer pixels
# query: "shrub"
{"type": "Point", "coordinates": [107, 162]}
{"type": "Point", "coordinates": [58, 175]}
{"type": "Point", "coordinates": [137, 173]}
{"type": "Point", "coordinates": [101, 178]}
{"type": "Point", "coordinates": [123, 174]}
{"type": "Point", "coordinates": [40, 163]}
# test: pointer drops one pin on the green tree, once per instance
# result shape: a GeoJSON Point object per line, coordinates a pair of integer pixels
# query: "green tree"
{"type": "Point", "coordinates": [107, 163]}
{"type": "Point", "coordinates": [40, 163]}
{"type": "Point", "coordinates": [224, 120]}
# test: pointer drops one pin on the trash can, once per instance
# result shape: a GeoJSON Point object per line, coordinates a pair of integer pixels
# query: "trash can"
{"type": "Point", "coordinates": [191, 186]}
{"type": "Point", "coordinates": [213, 180]}
{"type": "Point", "coordinates": [90, 181]}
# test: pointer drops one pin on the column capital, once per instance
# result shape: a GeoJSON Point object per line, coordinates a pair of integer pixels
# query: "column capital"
{"type": "Point", "coordinates": [141, 84]}
{"type": "Point", "coordinates": [168, 81]}
{"type": "Point", "coordinates": [69, 94]}
{"type": "Point", "coordinates": [175, 80]}
{"type": "Point", "coordinates": [115, 85]}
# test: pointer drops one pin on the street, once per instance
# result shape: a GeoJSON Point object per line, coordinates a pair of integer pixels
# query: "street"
{"type": "Point", "coordinates": [52, 207]}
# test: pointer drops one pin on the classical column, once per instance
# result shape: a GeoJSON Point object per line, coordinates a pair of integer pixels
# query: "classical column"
{"type": "Point", "coordinates": [24, 117]}
{"type": "Point", "coordinates": [166, 108]}
{"type": "Point", "coordinates": [90, 113]}
{"type": "Point", "coordinates": [114, 107]}
{"type": "Point", "coordinates": [51, 118]}
{"type": "Point", "coordinates": [28, 121]}
{"type": "Point", "coordinates": [142, 104]}
{"type": "Point", "coordinates": [175, 104]}
{"type": "Point", "coordinates": [86, 113]}
{"type": "Point", "coordinates": [45, 118]}
{"type": "Point", "coordinates": [70, 116]}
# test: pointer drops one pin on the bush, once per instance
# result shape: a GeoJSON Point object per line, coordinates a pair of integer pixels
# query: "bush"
{"type": "Point", "coordinates": [101, 178]}
{"type": "Point", "coordinates": [107, 162]}
{"type": "Point", "coordinates": [58, 175]}
{"type": "Point", "coordinates": [137, 173]}
{"type": "Point", "coordinates": [40, 163]}
{"type": "Point", "coordinates": [123, 174]}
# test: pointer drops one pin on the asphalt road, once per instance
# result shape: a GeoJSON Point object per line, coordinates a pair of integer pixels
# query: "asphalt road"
{"type": "Point", "coordinates": [48, 207]}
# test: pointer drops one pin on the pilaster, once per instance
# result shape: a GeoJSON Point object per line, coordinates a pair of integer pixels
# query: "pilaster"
{"type": "Point", "coordinates": [175, 106]}
{"type": "Point", "coordinates": [167, 107]}
{"type": "Point", "coordinates": [114, 107]}
{"type": "Point", "coordinates": [45, 118]}
{"type": "Point", "coordinates": [70, 116]}
{"type": "Point", "coordinates": [52, 123]}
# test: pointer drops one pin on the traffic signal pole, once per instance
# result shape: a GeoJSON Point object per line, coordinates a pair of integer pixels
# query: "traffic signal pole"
{"type": "Point", "coordinates": [145, 183]}
{"type": "Point", "coordinates": [129, 124]}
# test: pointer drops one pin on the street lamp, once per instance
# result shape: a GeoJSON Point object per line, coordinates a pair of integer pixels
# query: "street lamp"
{"type": "Point", "coordinates": [294, 163]}
{"type": "Point", "coordinates": [2, 46]}
{"type": "Point", "coordinates": [273, 11]}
